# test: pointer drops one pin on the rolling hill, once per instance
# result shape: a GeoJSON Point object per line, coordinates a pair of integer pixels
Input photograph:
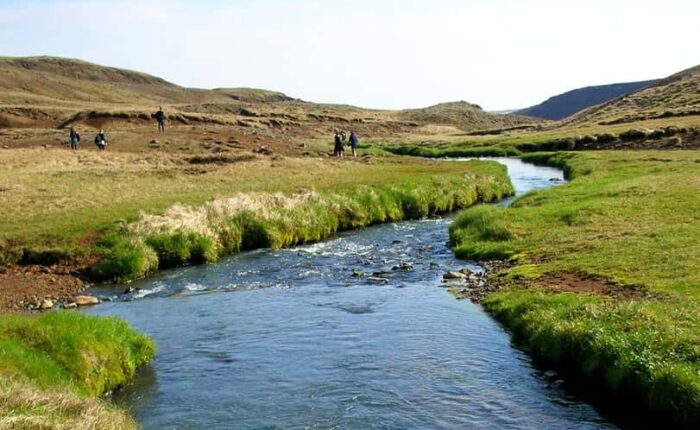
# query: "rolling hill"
{"type": "Point", "coordinates": [566, 104]}
{"type": "Point", "coordinates": [55, 92]}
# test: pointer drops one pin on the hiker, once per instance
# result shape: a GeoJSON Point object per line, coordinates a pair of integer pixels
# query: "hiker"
{"type": "Point", "coordinates": [338, 146]}
{"type": "Point", "coordinates": [160, 117]}
{"type": "Point", "coordinates": [101, 141]}
{"type": "Point", "coordinates": [74, 139]}
{"type": "Point", "coordinates": [353, 143]}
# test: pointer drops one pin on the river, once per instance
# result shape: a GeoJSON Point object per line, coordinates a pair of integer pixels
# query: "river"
{"type": "Point", "coordinates": [289, 338]}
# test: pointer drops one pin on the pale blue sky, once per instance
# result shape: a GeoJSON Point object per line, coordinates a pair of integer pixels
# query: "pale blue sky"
{"type": "Point", "coordinates": [383, 53]}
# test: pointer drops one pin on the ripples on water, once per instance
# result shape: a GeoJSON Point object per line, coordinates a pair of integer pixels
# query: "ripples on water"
{"type": "Point", "coordinates": [290, 339]}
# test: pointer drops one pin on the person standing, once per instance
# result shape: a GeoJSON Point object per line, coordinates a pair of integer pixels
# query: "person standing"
{"type": "Point", "coordinates": [353, 143]}
{"type": "Point", "coordinates": [160, 117]}
{"type": "Point", "coordinates": [74, 139]}
{"type": "Point", "coordinates": [338, 145]}
{"type": "Point", "coordinates": [101, 141]}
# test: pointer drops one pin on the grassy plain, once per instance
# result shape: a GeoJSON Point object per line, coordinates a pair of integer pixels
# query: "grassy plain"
{"type": "Point", "coordinates": [629, 220]}
{"type": "Point", "coordinates": [58, 202]}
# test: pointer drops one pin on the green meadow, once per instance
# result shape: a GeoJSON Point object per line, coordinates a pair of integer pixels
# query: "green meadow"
{"type": "Point", "coordinates": [632, 220]}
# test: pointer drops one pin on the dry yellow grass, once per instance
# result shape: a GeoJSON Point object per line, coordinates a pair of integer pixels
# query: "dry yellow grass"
{"type": "Point", "coordinates": [24, 407]}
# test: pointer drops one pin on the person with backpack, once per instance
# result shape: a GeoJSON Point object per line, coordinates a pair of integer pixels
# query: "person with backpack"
{"type": "Point", "coordinates": [353, 143]}
{"type": "Point", "coordinates": [101, 141]}
{"type": "Point", "coordinates": [160, 117]}
{"type": "Point", "coordinates": [74, 139]}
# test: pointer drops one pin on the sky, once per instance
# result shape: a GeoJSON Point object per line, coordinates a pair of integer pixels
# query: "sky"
{"type": "Point", "coordinates": [500, 54]}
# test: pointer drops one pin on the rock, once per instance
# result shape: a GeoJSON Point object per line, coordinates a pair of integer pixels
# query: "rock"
{"type": "Point", "coordinates": [129, 290]}
{"type": "Point", "coordinates": [554, 180]}
{"type": "Point", "coordinates": [403, 266]}
{"type": "Point", "coordinates": [70, 306]}
{"type": "Point", "coordinates": [263, 150]}
{"type": "Point", "coordinates": [378, 280]}
{"type": "Point", "coordinates": [454, 275]}
{"type": "Point", "coordinates": [357, 274]}
{"type": "Point", "coordinates": [85, 300]}
{"type": "Point", "coordinates": [558, 383]}
{"type": "Point", "coordinates": [466, 271]}
{"type": "Point", "coordinates": [46, 304]}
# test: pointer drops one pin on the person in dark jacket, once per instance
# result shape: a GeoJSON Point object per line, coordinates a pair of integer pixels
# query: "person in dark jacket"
{"type": "Point", "coordinates": [101, 141]}
{"type": "Point", "coordinates": [74, 139]}
{"type": "Point", "coordinates": [353, 143]}
{"type": "Point", "coordinates": [160, 117]}
{"type": "Point", "coordinates": [338, 145]}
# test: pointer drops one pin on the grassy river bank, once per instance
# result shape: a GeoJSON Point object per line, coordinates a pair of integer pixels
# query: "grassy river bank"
{"type": "Point", "coordinates": [606, 285]}
{"type": "Point", "coordinates": [129, 215]}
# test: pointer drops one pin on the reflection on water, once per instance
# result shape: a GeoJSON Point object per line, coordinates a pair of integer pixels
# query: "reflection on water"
{"type": "Point", "coordinates": [291, 339]}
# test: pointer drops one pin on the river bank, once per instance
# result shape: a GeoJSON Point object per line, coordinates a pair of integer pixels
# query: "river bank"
{"type": "Point", "coordinates": [604, 281]}
{"type": "Point", "coordinates": [66, 237]}
{"type": "Point", "coordinates": [55, 366]}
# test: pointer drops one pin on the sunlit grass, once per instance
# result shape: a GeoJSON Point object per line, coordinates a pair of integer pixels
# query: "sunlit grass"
{"type": "Point", "coordinates": [629, 217]}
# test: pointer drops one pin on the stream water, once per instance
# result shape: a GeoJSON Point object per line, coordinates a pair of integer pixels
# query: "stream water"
{"type": "Point", "coordinates": [290, 339]}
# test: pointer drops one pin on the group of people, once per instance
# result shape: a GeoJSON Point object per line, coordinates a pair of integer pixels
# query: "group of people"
{"type": "Point", "coordinates": [341, 138]}
{"type": "Point", "coordinates": [339, 143]}
{"type": "Point", "coordinates": [101, 140]}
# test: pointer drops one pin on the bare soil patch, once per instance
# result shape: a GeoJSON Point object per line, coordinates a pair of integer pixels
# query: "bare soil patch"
{"type": "Point", "coordinates": [23, 288]}
{"type": "Point", "coordinates": [584, 284]}
{"type": "Point", "coordinates": [494, 278]}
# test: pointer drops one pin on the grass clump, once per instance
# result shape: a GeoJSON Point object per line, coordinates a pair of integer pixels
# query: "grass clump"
{"type": "Point", "coordinates": [125, 259]}
{"type": "Point", "coordinates": [630, 218]}
{"type": "Point", "coordinates": [54, 365]}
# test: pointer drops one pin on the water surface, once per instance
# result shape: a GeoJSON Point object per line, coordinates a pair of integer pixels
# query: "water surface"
{"type": "Point", "coordinates": [291, 339]}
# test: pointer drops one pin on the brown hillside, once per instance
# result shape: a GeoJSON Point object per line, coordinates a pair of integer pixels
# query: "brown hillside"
{"type": "Point", "coordinates": [464, 115]}
{"type": "Point", "coordinates": [54, 92]}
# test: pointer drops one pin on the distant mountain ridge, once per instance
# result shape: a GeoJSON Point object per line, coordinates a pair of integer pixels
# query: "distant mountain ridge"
{"type": "Point", "coordinates": [564, 105]}
{"type": "Point", "coordinates": [675, 96]}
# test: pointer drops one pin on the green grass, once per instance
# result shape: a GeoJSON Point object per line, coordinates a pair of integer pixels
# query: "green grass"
{"type": "Point", "coordinates": [202, 234]}
{"type": "Point", "coordinates": [61, 203]}
{"type": "Point", "coordinates": [54, 358]}
{"type": "Point", "coordinates": [631, 218]}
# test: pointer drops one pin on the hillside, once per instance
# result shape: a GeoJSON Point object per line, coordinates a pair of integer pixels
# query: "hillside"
{"type": "Point", "coordinates": [570, 102]}
{"type": "Point", "coordinates": [465, 116]}
{"type": "Point", "coordinates": [52, 92]}
{"type": "Point", "coordinates": [676, 96]}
